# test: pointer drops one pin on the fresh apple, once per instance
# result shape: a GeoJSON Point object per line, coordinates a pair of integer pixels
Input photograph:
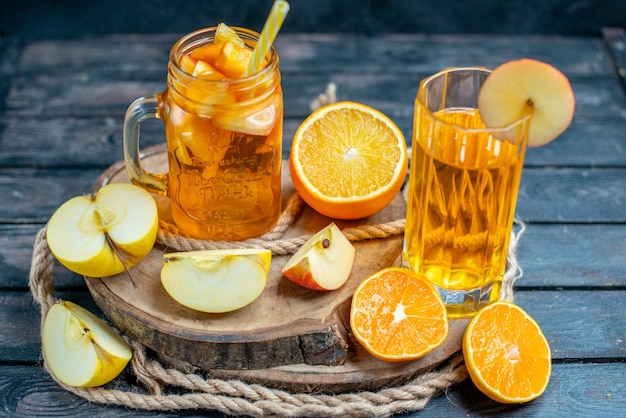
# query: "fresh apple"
{"type": "Point", "coordinates": [524, 86]}
{"type": "Point", "coordinates": [105, 233]}
{"type": "Point", "coordinates": [324, 261]}
{"type": "Point", "coordinates": [216, 281]}
{"type": "Point", "coordinates": [80, 348]}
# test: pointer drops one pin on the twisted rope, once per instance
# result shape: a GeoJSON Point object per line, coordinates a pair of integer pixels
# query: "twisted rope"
{"type": "Point", "coordinates": [235, 397]}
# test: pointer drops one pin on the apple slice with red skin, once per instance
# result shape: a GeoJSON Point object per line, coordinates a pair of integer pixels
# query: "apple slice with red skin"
{"type": "Point", "coordinates": [324, 261]}
{"type": "Point", "coordinates": [528, 86]}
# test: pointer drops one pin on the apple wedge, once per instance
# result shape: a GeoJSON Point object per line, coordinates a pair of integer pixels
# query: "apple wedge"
{"type": "Point", "coordinates": [216, 281]}
{"type": "Point", "coordinates": [524, 86]}
{"type": "Point", "coordinates": [105, 233]}
{"type": "Point", "coordinates": [324, 261]}
{"type": "Point", "coordinates": [80, 348]}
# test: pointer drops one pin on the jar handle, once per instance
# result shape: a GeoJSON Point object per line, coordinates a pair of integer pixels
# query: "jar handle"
{"type": "Point", "coordinates": [141, 109]}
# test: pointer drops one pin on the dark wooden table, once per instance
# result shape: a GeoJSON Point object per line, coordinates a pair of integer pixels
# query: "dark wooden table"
{"type": "Point", "coordinates": [61, 111]}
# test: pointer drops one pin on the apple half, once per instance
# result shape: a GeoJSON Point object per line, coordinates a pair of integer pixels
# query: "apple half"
{"type": "Point", "coordinates": [80, 348]}
{"type": "Point", "coordinates": [105, 233]}
{"type": "Point", "coordinates": [324, 261]}
{"type": "Point", "coordinates": [216, 281]}
{"type": "Point", "coordinates": [527, 86]}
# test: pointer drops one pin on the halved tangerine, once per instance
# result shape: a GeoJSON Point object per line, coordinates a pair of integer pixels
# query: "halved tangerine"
{"type": "Point", "coordinates": [507, 356]}
{"type": "Point", "coordinates": [397, 315]}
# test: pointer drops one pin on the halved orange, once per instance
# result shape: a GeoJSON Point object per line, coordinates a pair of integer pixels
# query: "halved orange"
{"type": "Point", "coordinates": [348, 160]}
{"type": "Point", "coordinates": [397, 315]}
{"type": "Point", "coordinates": [507, 356]}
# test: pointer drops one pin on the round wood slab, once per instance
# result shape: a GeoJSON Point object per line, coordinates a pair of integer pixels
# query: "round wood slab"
{"type": "Point", "coordinates": [290, 337]}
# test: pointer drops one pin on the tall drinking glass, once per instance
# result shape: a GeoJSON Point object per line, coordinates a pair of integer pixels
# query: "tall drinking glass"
{"type": "Point", "coordinates": [463, 185]}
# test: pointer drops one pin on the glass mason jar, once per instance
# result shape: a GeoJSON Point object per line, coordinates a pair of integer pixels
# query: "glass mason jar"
{"type": "Point", "coordinates": [224, 145]}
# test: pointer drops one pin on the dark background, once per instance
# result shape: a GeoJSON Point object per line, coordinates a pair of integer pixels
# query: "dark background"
{"type": "Point", "coordinates": [80, 18]}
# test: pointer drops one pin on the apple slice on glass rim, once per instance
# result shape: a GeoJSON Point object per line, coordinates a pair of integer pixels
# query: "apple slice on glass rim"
{"type": "Point", "coordinates": [527, 86]}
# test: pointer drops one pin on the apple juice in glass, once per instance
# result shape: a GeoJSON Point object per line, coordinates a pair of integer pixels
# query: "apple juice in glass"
{"type": "Point", "coordinates": [463, 185]}
{"type": "Point", "coordinates": [223, 135]}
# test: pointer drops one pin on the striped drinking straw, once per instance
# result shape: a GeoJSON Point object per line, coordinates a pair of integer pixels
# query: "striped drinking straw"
{"type": "Point", "coordinates": [272, 25]}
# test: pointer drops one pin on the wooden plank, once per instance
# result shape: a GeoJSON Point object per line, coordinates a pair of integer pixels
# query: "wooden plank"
{"type": "Point", "coordinates": [93, 142]}
{"type": "Point", "coordinates": [546, 195]}
{"type": "Point", "coordinates": [615, 40]}
{"type": "Point", "coordinates": [34, 200]}
{"type": "Point", "coordinates": [16, 251]}
{"type": "Point", "coordinates": [145, 57]}
{"type": "Point", "coordinates": [554, 195]}
{"type": "Point", "coordinates": [579, 324]}
{"type": "Point", "coordinates": [572, 256]}
{"type": "Point", "coordinates": [544, 252]}
{"type": "Point", "coordinates": [75, 94]}
{"type": "Point", "coordinates": [575, 390]}
{"type": "Point", "coordinates": [596, 314]}
{"type": "Point", "coordinates": [19, 313]}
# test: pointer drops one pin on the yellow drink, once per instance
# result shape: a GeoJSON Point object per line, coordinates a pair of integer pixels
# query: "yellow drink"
{"type": "Point", "coordinates": [461, 203]}
{"type": "Point", "coordinates": [224, 184]}
{"type": "Point", "coordinates": [224, 137]}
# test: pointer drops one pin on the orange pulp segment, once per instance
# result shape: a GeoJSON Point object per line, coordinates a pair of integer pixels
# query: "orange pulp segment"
{"type": "Point", "coordinates": [397, 315]}
{"type": "Point", "coordinates": [507, 356]}
{"type": "Point", "coordinates": [348, 160]}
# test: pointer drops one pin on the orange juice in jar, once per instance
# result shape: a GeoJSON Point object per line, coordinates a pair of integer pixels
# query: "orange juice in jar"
{"type": "Point", "coordinates": [223, 135]}
{"type": "Point", "coordinates": [462, 193]}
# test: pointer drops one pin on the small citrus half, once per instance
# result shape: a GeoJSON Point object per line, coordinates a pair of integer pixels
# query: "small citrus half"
{"type": "Point", "coordinates": [348, 160]}
{"type": "Point", "coordinates": [397, 315]}
{"type": "Point", "coordinates": [507, 356]}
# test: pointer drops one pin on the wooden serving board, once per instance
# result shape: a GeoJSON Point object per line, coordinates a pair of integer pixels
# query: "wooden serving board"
{"type": "Point", "coordinates": [290, 337]}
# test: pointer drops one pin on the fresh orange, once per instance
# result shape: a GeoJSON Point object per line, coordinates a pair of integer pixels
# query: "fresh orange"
{"type": "Point", "coordinates": [397, 315]}
{"type": "Point", "coordinates": [348, 160]}
{"type": "Point", "coordinates": [506, 354]}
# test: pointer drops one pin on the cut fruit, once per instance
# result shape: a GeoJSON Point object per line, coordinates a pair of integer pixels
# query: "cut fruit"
{"type": "Point", "coordinates": [233, 60]}
{"type": "Point", "coordinates": [528, 86]}
{"type": "Point", "coordinates": [225, 33]}
{"type": "Point", "coordinates": [397, 315]}
{"type": "Point", "coordinates": [188, 64]}
{"type": "Point", "coordinates": [80, 348]}
{"type": "Point", "coordinates": [206, 71]}
{"type": "Point", "coordinates": [507, 356]}
{"type": "Point", "coordinates": [216, 280]}
{"type": "Point", "coordinates": [254, 119]}
{"type": "Point", "coordinates": [324, 262]}
{"type": "Point", "coordinates": [103, 234]}
{"type": "Point", "coordinates": [348, 160]}
{"type": "Point", "coordinates": [206, 53]}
